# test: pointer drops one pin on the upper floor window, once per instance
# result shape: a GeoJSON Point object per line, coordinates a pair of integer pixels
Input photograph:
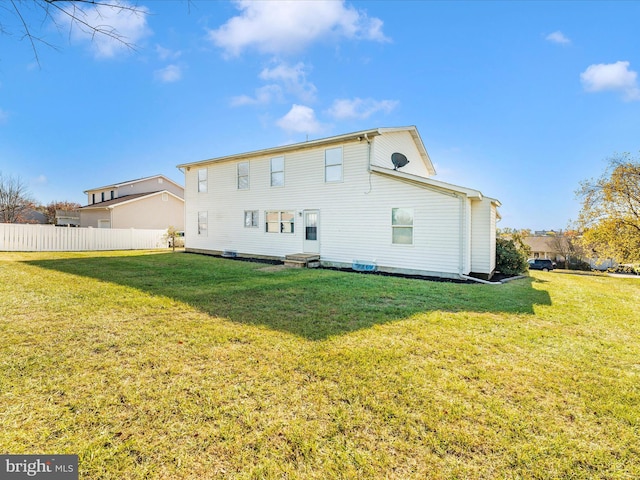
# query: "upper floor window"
{"type": "Point", "coordinates": [93, 198]}
{"type": "Point", "coordinates": [103, 196]}
{"type": "Point", "coordinates": [243, 175]}
{"type": "Point", "coordinates": [202, 180]}
{"type": "Point", "coordinates": [402, 226]}
{"type": "Point", "coordinates": [277, 172]}
{"type": "Point", "coordinates": [333, 164]}
{"type": "Point", "coordinates": [112, 195]}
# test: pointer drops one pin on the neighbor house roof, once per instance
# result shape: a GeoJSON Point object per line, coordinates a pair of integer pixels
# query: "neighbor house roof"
{"type": "Point", "coordinates": [127, 199]}
{"type": "Point", "coordinates": [129, 182]}
{"type": "Point", "coordinates": [361, 135]}
{"type": "Point", "coordinates": [541, 244]}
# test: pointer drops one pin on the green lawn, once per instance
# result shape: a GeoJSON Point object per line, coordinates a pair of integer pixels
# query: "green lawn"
{"type": "Point", "coordinates": [174, 366]}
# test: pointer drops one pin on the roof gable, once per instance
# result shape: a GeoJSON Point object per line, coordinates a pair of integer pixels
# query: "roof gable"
{"type": "Point", "coordinates": [116, 202]}
{"type": "Point", "coordinates": [130, 182]}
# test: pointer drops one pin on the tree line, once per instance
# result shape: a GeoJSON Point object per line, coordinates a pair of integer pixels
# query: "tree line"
{"type": "Point", "coordinates": [18, 206]}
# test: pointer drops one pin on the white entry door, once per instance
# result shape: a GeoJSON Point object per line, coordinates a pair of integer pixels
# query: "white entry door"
{"type": "Point", "coordinates": [311, 231]}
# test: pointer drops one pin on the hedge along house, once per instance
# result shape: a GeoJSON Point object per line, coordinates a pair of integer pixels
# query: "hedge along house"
{"type": "Point", "coordinates": [360, 199]}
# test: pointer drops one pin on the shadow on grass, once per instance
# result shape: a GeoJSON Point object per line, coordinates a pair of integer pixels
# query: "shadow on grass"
{"type": "Point", "coordinates": [312, 303]}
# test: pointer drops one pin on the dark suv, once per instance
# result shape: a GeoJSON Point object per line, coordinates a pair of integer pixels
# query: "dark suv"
{"type": "Point", "coordinates": [543, 264]}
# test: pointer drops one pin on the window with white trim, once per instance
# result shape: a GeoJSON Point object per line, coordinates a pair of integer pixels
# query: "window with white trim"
{"type": "Point", "coordinates": [251, 218]}
{"type": "Point", "coordinates": [279, 222]}
{"type": "Point", "coordinates": [202, 180]}
{"type": "Point", "coordinates": [402, 226]}
{"type": "Point", "coordinates": [203, 223]}
{"type": "Point", "coordinates": [277, 172]}
{"type": "Point", "coordinates": [333, 164]}
{"type": "Point", "coordinates": [243, 175]}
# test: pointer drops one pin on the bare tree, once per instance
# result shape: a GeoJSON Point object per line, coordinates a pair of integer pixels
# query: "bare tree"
{"type": "Point", "coordinates": [567, 244]}
{"type": "Point", "coordinates": [31, 17]}
{"type": "Point", "coordinates": [15, 200]}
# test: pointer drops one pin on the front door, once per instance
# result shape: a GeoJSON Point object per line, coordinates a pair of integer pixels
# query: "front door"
{"type": "Point", "coordinates": [311, 231]}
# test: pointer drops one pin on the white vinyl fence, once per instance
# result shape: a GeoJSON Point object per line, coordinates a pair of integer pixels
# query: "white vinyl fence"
{"type": "Point", "coordinates": [48, 238]}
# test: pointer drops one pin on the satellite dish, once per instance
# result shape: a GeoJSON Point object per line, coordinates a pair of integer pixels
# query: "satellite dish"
{"type": "Point", "coordinates": [399, 160]}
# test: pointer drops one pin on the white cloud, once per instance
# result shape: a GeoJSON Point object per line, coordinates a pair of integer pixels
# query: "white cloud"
{"type": "Point", "coordinates": [169, 74]}
{"type": "Point", "coordinates": [121, 26]}
{"type": "Point", "coordinates": [558, 37]}
{"type": "Point", "coordinates": [167, 54]}
{"type": "Point", "coordinates": [611, 76]}
{"type": "Point", "coordinates": [300, 119]}
{"type": "Point", "coordinates": [294, 80]}
{"type": "Point", "coordinates": [360, 108]}
{"type": "Point", "coordinates": [264, 96]}
{"type": "Point", "coordinates": [288, 26]}
{"type": "Point", "coordinates": [4, 117]}
{"type": "Point", "coordinates": [289, 80]}
{"type": "Point", "coordinates": [41, 180]}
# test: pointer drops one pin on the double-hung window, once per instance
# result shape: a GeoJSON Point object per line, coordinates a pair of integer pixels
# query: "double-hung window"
{"type": "Point", "coordinates": [402, 226]}
{"type": "Point", "coordinates": [243, 175]}
{"type": "Point", "coordinates": [277, 172]}
{"type": "Point", "coordinates": [203, 223]}
{"type": "Point", "coordinates": [279, 222]}
{"type": "Point", "coordinates": [333, 164]}
{"type": "Point", "coordinates": [251, 218]}
{"type": "Point", "coordinates": [202, 180]}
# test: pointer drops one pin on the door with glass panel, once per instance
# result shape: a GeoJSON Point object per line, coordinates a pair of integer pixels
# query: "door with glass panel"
{"type": "Point", "coordinates": [311, 231]}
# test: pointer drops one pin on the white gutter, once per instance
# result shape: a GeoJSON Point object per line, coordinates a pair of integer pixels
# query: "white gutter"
{"type": "Point", "coordinates": [479, 280]}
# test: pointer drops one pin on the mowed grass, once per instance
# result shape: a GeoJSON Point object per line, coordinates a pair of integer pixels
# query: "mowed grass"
{"type": "Point", "coordinates": [179, 366]}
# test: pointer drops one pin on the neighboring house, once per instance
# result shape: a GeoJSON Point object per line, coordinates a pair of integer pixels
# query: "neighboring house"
{"type": "Point", "coordinates": [544, 247]}
{"type": "Point", "coordinates": [146, 203]}
{"type": "Point", "coordinates": [67, 218]}
{"type": "Point", "coordinates": [345, 200]}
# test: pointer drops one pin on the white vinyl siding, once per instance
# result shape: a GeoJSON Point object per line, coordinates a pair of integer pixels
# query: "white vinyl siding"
{"type": "Point", "coordinates": [355, 212]}
{"type": "Point", "coordinates": [277, 172]}
{"type": "Point", "coordinates": [386, 145]}
{"type": "Point", "coordinates": [483, 228]}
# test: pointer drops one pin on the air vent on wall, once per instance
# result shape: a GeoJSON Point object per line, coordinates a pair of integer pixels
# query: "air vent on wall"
{"type": "Point", "coordinates": [399, 160]}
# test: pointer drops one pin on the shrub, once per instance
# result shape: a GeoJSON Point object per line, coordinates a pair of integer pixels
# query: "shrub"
{"type": "Point", "coordinates": [509, 259]}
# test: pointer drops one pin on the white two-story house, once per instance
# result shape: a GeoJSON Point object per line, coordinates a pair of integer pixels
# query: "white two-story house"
{"type": "Point", "coordinates": [155, 202]}
{"type": "Point", "coordinates": [366, 197]}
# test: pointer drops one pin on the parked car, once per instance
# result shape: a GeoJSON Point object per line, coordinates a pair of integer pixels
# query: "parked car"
{"type": "Point", "coordinates": [543, 264]}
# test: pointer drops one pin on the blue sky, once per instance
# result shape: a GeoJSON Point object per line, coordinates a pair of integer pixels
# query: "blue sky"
{"type": "Point", "coordinates": [521, 100]}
